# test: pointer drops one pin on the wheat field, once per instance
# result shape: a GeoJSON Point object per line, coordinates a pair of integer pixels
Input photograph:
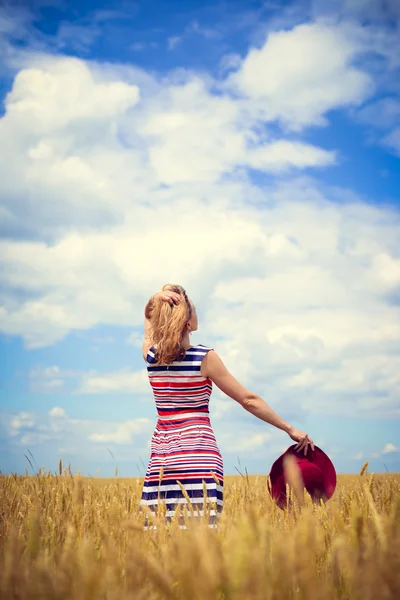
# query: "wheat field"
{"type": "Point", "coordinates": [65, 536]}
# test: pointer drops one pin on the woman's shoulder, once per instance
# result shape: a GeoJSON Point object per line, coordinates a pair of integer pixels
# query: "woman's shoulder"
{"type": "Point", "coordinates": [201, 348]}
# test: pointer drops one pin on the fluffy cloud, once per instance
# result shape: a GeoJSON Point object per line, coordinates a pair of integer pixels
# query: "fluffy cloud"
{"type": "Point", "coordinates": [124, 433]}
{"type": "Point", "coordinates": [389, 448]}
{"type": "Point", "coordinates": [23, 420]}
{"type": "Point", "coordinates": [29, 429]}
{"type": "Point", "coordinates": [84, 144]}
{"type": "Point", "coordinates": [57, 411]}
{"type": "Point", "coordinates": [124, 182]}
{"type": "Point", "coordinates": [278, 156]}
{"type": "Point", "coordinates": [46, 379]}
{"type": "Point", "coordinates": [219, 132]}
{"type": "Point", "coordinates": [390, 451]}
{"type": "Point", "coordinates": [300, 74]}
{"type": "Point", "coordinates": [59, 428]}
{"type": "Point", "coordinates": [65, 94]}
{"type": "Point", "coordinates": [120, 381]}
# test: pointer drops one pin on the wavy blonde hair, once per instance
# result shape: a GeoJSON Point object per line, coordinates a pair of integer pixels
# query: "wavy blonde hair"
{"type": "Point", "coordinates": [168, 325]}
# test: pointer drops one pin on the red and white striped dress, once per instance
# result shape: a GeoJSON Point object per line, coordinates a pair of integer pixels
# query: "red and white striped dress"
{"type": "Point", "coordinates": [183, 446]}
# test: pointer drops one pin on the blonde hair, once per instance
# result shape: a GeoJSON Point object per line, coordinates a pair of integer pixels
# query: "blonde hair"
{"type": "Point", "coordinates": [168, 325]}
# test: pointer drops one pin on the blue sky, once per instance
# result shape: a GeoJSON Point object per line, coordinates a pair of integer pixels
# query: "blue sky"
{"type": "Point", "coordinates": [247, 150]}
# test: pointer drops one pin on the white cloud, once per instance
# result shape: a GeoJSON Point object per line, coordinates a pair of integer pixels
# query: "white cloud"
{"type": "Point", "coordinates": [387, 269]}
{"type": "Point", "coordinates": [135, 339]}
{"type": "Point", "coordinates": [358, 456]}
{"type": "Point", "coordinates": [115, 183]}
{"type": "Point", "coordinates": [300, 74]}
{"type": "Point", "coordinates": [57, 411]}
{"type": "Point", "coordinates": [46, 99]}
{"type": "Point", "coordinates": [49, 380]}
{"type": "Point", "coordinates": [45, 380]}
{"type": "Point", "coordinates": [389, 448]}
{"type": "Point", "coordinates": [248, 444]}
{"type": "Point", "coordinates": [98, 148]}
{"type": "Point", "coordinates": [239, 434]}
{"type": "Point", "coordinates": [24, 420]}
{"type": "Point", "coordinates": [125, 433]}
{"type": "Point", "coordinates": [118, 381]}
{"type": "Point", "coordinates": [34, 438]}
{"type": "Point", "coordinates": [221, 407]}
{"type": "Point", "coordinates": [281, 155]}
{"type": "Point", "coordinates": [32, 430]}
{"type": "Point", "coordinates": [66, 434]}
{"type": "Point", "coordinates": [219, 131]}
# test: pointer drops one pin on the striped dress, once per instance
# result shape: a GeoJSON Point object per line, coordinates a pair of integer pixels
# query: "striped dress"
{"type": "Point", "coordinates": [183, 447]}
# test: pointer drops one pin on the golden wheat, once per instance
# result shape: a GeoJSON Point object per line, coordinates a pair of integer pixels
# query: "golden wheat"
{"type": "Point", "coordinates": [69, 537]}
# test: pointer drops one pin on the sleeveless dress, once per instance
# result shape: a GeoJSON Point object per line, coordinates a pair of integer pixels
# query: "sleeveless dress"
{"type": "Point", "coordinates": [183, 447]}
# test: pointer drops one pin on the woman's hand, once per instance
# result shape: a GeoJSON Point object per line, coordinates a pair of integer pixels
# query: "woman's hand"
{"type": "Point", "coordinates": [302, 439]}
{"type": "Point", "coordinates": [167, 296]}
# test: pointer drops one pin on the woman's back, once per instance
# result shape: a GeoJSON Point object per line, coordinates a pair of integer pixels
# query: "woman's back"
{"type": "Point", "coordinates": [185, 460]}
{"type": "Point", "coordinates": [179, 388]}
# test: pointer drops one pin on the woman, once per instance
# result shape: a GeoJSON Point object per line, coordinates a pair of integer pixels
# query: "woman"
{"type": "Point", "coordinates": [185, 461]}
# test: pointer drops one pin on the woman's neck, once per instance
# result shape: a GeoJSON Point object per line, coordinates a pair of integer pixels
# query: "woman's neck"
{"type": "Point", "coordinates": [186, 341]}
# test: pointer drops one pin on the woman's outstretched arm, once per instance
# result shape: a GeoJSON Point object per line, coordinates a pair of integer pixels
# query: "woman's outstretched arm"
{"type": "Point", "coordinates": [214, 368]}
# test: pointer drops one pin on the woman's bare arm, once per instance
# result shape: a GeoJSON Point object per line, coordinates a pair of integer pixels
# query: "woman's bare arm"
{"type": "Point", "coordinates": [214, 368]}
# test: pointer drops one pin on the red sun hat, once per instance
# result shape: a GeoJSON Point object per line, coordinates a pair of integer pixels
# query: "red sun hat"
{"type": "Point", "coordinates": [317, 472]}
